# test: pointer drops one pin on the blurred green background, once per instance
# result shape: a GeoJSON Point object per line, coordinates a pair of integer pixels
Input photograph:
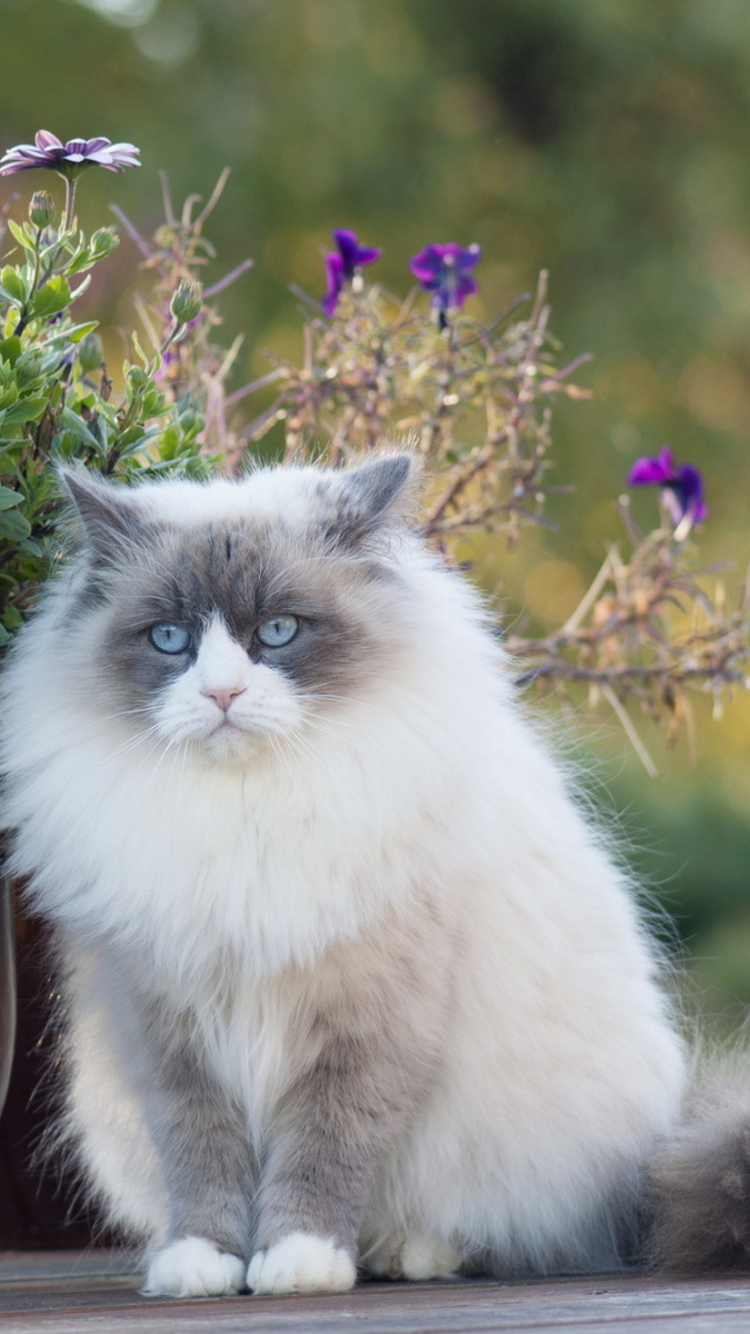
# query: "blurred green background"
{"type": "Point", "coordinates": [607, 141]}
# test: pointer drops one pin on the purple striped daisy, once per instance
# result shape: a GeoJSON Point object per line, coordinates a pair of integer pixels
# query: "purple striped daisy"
{"type": "Point", "coordinates": [70, 158]}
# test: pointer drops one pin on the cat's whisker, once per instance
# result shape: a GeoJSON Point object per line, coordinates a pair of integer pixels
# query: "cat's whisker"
{"type": "Point", "coordinates": [185, 748]}
{"type": "Point", "coordinates": [281, 753]}
{"type": "Point", "coordinates": [81, 724]}
{"type": "Point", "coordinates": [299, 746]}
{"type": "Point", "coordinates": [139, 710]}
{"type": "Point", "coordinates": [133, 742]}
{"type": "Point", "coordinates": [320, 729]}
{"type": "Point", "coordinates": [167, 748]}
{"type": "Point", "coordinates": [125, 810]}
{"type": "Point", "coordinates": [127, 807]}
{"type": "Point", "coordinates": [335, 728]}
{"type": "Point", "coordinates": [312, 696]}
{"type": "Point", "coordinates": [170, 749]}
{"type": "Point", "coordinates": [179, 757]}
{"type": "Point", "coordinates": [145, 736]}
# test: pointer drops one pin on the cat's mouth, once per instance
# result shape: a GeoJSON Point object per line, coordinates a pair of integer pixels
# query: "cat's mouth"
{"type": "Point", "coordinates": [257, 725]}
{"type": "Point", "coordinates": [257, 728]}
{"type": "Point", "coordinates": [226, 725]}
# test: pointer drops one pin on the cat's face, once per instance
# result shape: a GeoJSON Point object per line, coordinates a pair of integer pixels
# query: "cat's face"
{"type": "Point", "coordinates": [238, 622]}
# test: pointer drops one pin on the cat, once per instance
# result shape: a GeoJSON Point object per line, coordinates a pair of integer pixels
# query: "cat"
{"type": "Point", "coordinates": [350, 982]}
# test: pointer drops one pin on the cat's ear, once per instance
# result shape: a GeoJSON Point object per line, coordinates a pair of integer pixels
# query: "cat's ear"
{"type": "Point", "coordinates": [365, 495]}
{"type": "Point", "coordinates": [108, 515]}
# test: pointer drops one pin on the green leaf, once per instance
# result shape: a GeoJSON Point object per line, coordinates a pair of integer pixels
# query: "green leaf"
{"type": "Point", "coordinates": [169, 443]}
{"type": "Point", "coordinates": [13, 526]}
{"type": "Point", "coordinates": [134, 435]}
{"type": "Point", "coordinates": [10, 349]}
{"type": "Point", "coordinates": [77, 426]}
{"type": "Point", "coordinates": [154, 404]}
{"type": "Point", "coordinates": [69, 334]}
{"type": "Point", "coordinates": [13, 284]}
{"type": "Point", "coordinates": [8, 498]}
{"type": "Point", "coordinates": [30, 548]}
{"type": "Point", "coordinates": [139, 350]}
{"type": "Point", "coordinates": [21, 237]}
{"type": "Point", "coordinates": [28, 410]}
{"type": "Point", "coordinates": [12, 618]}
{"type": "Point", "coordinates": [4, 636]}
{"type": "Point", "coordinates": [79, 331]}
{"type": "Point", "coordinates": [81, 288]}
{"type": "Point", "coordinates": [78, 259]}
{"type": "Point", "coordinates": [52, 298]}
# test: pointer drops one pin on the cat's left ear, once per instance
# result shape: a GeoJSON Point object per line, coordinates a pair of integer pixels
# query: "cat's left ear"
{"type": "Point", "coordinates": [367, 494]}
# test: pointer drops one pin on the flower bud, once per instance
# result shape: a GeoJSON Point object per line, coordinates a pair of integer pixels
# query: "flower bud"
{"type": "Point", "coordinates": [191, 422]}
{"type": "Point", "coordinates": [104, 241]}
{"type": "Point", "coordinates": [137, 378]}
{"type": "Point", "coordinates": [42, 211]}
{"type": "Point", "coordinates": [90, 353]}
{"type": "Point", "coordinates": [186, 302]}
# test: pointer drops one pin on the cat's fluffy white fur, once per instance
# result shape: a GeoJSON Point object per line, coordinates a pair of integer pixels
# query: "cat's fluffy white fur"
{"type": "Point", "coordinates": [232, 878]}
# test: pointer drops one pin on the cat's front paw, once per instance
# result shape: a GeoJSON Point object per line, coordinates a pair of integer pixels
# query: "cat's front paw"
{"type": "Point", "coordinates": [193, 1267]}
{"type": "Point", "coordinates": [302, 1262]}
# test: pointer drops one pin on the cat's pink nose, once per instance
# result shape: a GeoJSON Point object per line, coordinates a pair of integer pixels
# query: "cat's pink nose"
{"type": "Point", "coordinates": [224, 698]}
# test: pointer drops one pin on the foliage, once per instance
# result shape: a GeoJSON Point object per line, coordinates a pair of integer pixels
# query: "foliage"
{"type": "Point", "coordinates": [56, 402]}
{"type": "Point", "coordinates": [384, 368]}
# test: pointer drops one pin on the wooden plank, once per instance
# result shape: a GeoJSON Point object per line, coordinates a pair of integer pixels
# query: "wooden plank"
{"type": "Point", "coordinates": [95, 1294]}
{"type": "Point", "coordinates": [33, 1267]}
{"type": "Point", "coordinates": [244, 1318]}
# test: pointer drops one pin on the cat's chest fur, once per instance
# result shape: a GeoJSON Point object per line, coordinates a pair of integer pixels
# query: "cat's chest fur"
{"type": "Point", "coordinates": [267, 861]}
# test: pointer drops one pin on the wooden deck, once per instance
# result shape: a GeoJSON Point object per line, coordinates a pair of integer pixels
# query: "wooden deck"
{"type": "Point", "coordinates": [96, 1293]}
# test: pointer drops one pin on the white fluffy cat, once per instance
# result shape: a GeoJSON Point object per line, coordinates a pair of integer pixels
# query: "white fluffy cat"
{"type": "Point", "coordinates": [349, 979]}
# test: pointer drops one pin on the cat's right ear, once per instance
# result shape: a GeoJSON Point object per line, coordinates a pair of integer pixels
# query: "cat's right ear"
{"type": "Point", "coordinates": [108, 516]}
{"type": "Point", "coordinates": [365, 495]}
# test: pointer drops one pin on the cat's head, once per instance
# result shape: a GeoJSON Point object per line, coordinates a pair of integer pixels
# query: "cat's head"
{"type": "Point", "coordinates": [224, 614]}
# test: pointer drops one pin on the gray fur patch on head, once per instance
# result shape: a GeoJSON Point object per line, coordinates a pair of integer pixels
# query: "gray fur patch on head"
{"type": "Point", "coordinates": [328, 570]}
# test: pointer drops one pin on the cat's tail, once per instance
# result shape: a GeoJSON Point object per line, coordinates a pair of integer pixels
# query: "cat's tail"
{"type": "Point", "coordinates": [700, 1179]}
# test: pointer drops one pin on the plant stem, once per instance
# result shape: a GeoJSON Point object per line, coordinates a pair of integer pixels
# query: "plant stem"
{"type": "Point", "coordinates": [70, 199]}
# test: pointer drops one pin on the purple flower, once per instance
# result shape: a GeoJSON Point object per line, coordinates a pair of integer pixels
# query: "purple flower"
{"type": "Point", "coordinates": [444, 270]}
{"type": "Point", "coordinates": [342, 265]}
{"type": "Point", "coordinates": [68, 159]}
{"type": "Point", "coordinates": [681, 487]}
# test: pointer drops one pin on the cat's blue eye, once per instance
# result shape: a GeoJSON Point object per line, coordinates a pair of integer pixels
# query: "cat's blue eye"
{"type": "Point", "coordinates": [170, 638]}
{"type": "Point", "coordinates": [278, 631]}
